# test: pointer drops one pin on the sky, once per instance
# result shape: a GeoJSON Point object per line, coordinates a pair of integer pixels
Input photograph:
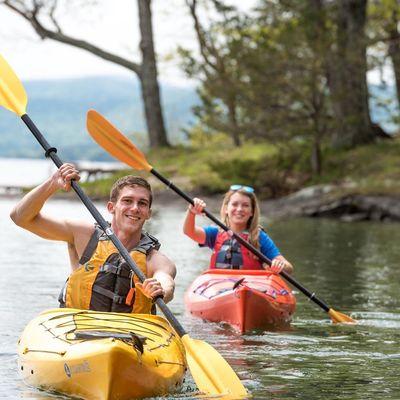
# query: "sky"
{"type": "Point", "coordinates": [111, 25]}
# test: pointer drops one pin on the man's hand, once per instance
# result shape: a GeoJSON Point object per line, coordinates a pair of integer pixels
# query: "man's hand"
{"type": "Point", "coordinates": [64, 175]}
{"type": "Point", "coordinates": [151, 288]}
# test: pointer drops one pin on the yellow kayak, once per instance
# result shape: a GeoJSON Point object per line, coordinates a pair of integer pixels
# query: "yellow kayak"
{"type": "Point", "coordinates": [101, 356]}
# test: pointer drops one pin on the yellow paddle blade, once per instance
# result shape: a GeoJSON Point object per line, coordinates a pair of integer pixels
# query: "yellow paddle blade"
{"type": "Point", "coordinates": [212, 374]}
{"type": "Point", "coordinates": [114, 142]}
{"type": "Point", "coordinates": [12, 93]}
{"type": "Point", "coordinates": [338, 317]}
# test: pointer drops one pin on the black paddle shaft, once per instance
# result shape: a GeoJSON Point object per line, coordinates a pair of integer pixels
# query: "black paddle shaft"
{"type": "Point", "coordinates": [246, 244]}
{"type": "Point", "coordinates": [51, 152]}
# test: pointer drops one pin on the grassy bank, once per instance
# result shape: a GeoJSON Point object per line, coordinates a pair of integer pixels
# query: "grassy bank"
{"type": "Point", "coordinates": [274, 171]}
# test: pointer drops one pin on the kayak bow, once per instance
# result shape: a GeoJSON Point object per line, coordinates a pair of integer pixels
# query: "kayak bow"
{"type": "Point", "coordinates": [101, 356]}
{"type": "Point", "coordinates": [246, 299]}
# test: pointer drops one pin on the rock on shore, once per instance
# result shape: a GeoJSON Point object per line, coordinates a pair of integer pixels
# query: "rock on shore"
{"type": "Point", "coordinates": [327, 201]}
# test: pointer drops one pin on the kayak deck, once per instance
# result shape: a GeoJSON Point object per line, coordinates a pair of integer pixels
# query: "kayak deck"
{"type": "Point", "coordinates": [246, 299]}
{"type": "Point", "coordinates": [101, 356]}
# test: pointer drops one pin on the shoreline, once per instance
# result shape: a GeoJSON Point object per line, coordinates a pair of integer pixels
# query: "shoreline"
{"type": "Point", "coordinates": [321, 201]}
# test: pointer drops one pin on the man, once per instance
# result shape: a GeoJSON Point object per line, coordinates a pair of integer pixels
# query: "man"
{"type": "Point", "coordinates": [100, 279]}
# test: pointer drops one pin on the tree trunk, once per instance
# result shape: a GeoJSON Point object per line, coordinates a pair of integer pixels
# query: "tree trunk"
{"type": "Point", "coordinates": [148, 79]}
{"type": "Point", "coordinates": [394, 51]}
{"type": "Point", "coordinates": [348, 76]}
{"type": "Point", "coordinates": [233, 123]}
{"type": "Point", "coordinates": [146, 71]}
{"type": "Point", "coordinates": [395, 56]}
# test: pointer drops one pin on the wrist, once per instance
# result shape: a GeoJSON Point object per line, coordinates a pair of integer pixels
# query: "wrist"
{"type": "Point", "coordinates": [51, 186]}
{"type": "Point", "coordinates": [190, 210]}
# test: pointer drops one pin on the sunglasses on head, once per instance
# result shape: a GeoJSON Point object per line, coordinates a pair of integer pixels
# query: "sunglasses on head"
{"type": "Point", "coordinates": [247, 189]}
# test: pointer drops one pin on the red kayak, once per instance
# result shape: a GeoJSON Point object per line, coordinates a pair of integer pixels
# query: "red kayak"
{"type": "Point", "coordinates": [246, 299]}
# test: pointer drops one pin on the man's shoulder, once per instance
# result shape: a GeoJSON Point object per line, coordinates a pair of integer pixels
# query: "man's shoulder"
{"type": "Point", "coordinates": [81, 228]}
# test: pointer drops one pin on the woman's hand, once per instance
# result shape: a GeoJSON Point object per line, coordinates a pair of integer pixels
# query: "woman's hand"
{"type": "Point", "coordinates": [198, 207]}
{"type": "Point", "coordinates": [280, 264]}
{"type": "Point", "coordinates": [151, 288]}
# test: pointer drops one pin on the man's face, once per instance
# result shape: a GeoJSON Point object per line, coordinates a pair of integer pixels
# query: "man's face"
{"type": "Point", "coordinates": [132, 208]}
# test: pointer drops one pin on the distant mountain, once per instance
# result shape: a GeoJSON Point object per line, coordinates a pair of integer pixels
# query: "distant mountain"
{"type": "Point", "coordinates": [58, 108]}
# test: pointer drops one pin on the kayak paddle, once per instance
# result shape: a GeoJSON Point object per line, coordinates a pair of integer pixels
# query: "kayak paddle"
{"type": "Point", "coordinates": [115, 143]}
{"type": "Point", "coordinates": [212, 374]}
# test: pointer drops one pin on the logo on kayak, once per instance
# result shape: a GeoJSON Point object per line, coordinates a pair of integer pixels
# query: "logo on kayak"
{"type": "Point", "coordinates": [76, 369]}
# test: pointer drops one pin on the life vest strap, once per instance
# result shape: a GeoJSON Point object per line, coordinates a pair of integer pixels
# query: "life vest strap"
{"type": "Point", "coordinates": [108, 293]}
{"type": "Point", "coordinates": [116, 269]}
{"type": "Point", "coordinates": [91, 246]}
{"type": "Point", "coordinates": [147, 243]}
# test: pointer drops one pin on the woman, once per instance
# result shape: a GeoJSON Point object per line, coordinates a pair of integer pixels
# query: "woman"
{"type": "Point", "coordinates": [240, 212]}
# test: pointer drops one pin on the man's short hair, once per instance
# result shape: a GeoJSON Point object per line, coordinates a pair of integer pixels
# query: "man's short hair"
{"type": "Point", "coordinates": [132, 181]}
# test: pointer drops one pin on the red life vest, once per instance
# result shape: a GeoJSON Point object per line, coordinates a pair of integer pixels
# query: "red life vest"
{"type": "Point", "coordinates": [229, 254]}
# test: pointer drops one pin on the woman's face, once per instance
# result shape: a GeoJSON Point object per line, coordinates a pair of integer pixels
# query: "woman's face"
{"type": "Point", "coordinates": [239, 210]}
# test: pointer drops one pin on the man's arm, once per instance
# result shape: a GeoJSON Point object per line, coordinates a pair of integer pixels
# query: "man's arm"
{"type": "Point", "coordinates": [161, 273]}
{"type": "Point", "coordinates": [27, 213]}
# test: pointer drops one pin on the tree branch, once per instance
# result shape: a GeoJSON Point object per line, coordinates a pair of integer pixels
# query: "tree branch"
{"type": "Point", "coordinates": [32, 17]}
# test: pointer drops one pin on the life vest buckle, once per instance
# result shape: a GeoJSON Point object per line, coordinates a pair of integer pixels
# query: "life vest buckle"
{"type": "Point", "coordinates": [119, 299]}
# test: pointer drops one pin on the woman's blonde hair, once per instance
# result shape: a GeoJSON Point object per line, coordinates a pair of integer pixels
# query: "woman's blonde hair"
{"type": "Point", "coordinates": [253, 226]}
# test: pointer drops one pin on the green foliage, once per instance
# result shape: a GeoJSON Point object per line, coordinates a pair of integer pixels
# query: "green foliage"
{"type": "Point", "coordinates": [273, 171]}
{"type": "Point", "coordinates": [263, 76]}
{"type": "Point", "coordinates": [288, 72]}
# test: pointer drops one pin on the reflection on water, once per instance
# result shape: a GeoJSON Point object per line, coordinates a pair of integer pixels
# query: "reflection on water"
{"type": "Point", "coordinates": [353, 267]}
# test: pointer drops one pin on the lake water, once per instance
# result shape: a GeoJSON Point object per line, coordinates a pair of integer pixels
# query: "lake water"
{"type": "Point", "coordinates": [354, 267]}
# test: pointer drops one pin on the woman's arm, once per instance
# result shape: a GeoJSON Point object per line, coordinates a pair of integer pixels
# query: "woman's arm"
{"type": "Point", "coordinates": [269, 249]}
{"type": "Point", "coordinates": [190, 228]}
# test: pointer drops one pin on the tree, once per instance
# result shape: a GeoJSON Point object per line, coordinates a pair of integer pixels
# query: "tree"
{"type": "Point", "coordinates": [288, 73]}
{"type": "Point", "coordinates": [384, 29]}
{"type": "Point", "coordinates": [337, 29]}
{"type": "Point", "coordinates": [217, 70]}
{"type": "Point", "coordinates": [296, 71]}
{"type": "Point", "coordinates": [394, 41]}
{"type": "Point", "coordinates": [269, 67]}
{"type": "Point", "coordinates": [36, 12]}
{"type": "Point", "coordinates": [347, 73]}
